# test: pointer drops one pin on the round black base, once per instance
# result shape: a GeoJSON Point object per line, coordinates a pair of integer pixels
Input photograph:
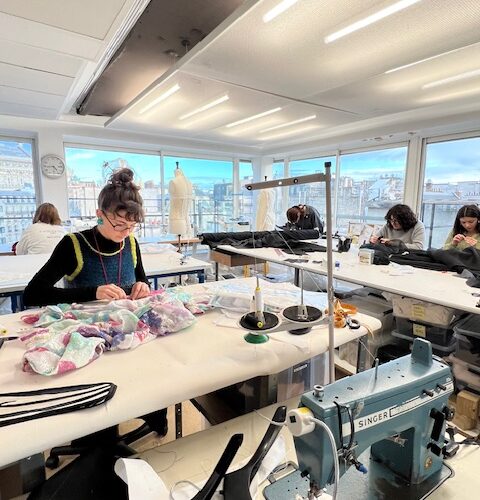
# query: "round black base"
{"type": "Point", "coordinates": [291, 313]}
{"type": "Point", "coordinates": [299, 331]}
{"type": "Point", "coordinates": [249, 321]}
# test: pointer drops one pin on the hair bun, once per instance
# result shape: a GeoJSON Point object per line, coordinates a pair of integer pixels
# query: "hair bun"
{"type": "Point", "coordinates": [122, 177]}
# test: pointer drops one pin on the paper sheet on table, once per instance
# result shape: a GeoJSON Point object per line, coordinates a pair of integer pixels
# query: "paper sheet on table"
{"type": "Point", "coordinates": [143, 482]}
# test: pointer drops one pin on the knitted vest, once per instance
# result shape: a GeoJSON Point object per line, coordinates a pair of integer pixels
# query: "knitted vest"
{"type": "Point", "coordinates": [89, 271]}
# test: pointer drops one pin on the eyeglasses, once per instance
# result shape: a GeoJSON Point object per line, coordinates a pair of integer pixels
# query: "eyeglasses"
{"type": "Point", "coordinates": [121, 227]}
{"type": "Point", "coordinates": [393, 220]}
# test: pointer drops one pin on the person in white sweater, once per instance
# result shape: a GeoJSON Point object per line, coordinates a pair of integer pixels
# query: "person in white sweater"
{"type": "Point", "coordinates": [44, 234]}
{"type": "Point", "coordinates": [402, 224]}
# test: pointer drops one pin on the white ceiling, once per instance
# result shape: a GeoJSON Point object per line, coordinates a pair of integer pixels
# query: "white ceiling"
{"type": "Point", "coordinates": [50, 49]}
{"type": "Point", "coordinates": [286, 63]}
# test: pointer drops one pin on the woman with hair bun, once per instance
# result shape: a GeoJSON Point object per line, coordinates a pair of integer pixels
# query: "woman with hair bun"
{"type": "Point", "coordinates": [402, 224]}
{"type": "Point", "coordinates": [44, 234]}
{"type": "Point", "coordinates": [100, 263]}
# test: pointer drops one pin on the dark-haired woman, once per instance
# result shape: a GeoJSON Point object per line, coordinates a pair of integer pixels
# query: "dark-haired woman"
{"type": "Point", "coordinates": [304, 217]}
{"type": "Point", "coordinates": [466, 229]}
{"type": "Point", "coordinates": [99, 263]}
{"type": "Point", "coordinates": [402, 224]}
{"type": "Point", "coordinates": [44, 234]}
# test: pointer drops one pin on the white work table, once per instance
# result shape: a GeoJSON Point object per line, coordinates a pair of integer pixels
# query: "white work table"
{"type": "Point", "coordinates": [17, 270]}
{"type": "Point", "coordinates": [168, 370]}
{"type": "Point", "coordinates": [443, 288]}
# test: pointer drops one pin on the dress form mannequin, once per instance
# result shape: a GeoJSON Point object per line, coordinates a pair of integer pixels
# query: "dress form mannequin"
{"type": "Point", "coordinates": [181, 194]}
{"type": "Point", "coordinates": [265, 220]}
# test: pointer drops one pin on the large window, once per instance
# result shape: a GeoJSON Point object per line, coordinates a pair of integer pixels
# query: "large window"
{"type": "Point", "coordinates": [89, 169]}
{"type": "Point", "coordinates": [452, 179]}
{"type": "Point", "coordinates": [281, 194]}
{"type": "Point", "coordinates": [246, 215]}
{"type": "Point", "coordinates": [17, 190]}
{"type": "Point", "coordinates": [310, 194]}
{"type": "Point", "coordinates": [369, 184]}
{"type": "Point", "coordinates": [212, 180]}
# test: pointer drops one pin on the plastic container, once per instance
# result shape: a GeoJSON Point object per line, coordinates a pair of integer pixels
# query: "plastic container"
{"type": "Point", "coordinates": [376, 307]}
{"type": "Point", "coordinates": [438, 350]}
{"type": "Point", "coordinates": [419, 310]}
{"type": "Point", "coordinates": [467, 333]}
{"type": "Point", "coordinates": [435, 334]}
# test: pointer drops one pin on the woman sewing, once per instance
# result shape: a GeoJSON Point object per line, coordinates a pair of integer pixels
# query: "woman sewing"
{"type": "Point", "coordinates": [466, 229]}
{"type": "Point", "coordinates": [402, 224]}
{"type": "Point", "coordinates": [99, 263]}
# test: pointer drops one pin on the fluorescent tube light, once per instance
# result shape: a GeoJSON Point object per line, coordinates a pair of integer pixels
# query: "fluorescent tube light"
{"type": "Point", "coordinates": [254, 117]}
{"type": "Point", "coordinates": [161, 98]}
{"type": "Point", "coordinates": [294, 122]}
{"type": "Point", "coordinates": [216, 102]}
{"type": "Point", "coordinates": [373, 18]}
{"type": "Point", "coordinates": [456, 78]}
{"type": "Point", "coordinates": [288, 132]}
{"type": "Point", "coordinates": [427, 59]}
{"type": "Point", "coordinates": [278, 9]}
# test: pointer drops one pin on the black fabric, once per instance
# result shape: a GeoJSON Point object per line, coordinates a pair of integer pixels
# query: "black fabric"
{"type": "Point", "coordinates": [434, 259]}
{"type": "Point", "coordinates": [41, 290]}
{"type": "Point", "coordinates": [31, 405]}
{"type": "Point", "coordinates": [289, 241]}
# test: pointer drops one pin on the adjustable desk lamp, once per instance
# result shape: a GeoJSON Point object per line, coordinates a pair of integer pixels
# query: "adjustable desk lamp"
{"type": "Point", "coordinates": [307, 179]}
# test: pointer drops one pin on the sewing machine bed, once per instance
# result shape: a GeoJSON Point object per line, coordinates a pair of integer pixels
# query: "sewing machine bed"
{"type": "Point", "coordinates": [378, 484]}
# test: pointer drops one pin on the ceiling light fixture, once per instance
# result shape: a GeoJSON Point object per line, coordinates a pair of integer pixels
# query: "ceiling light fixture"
{"type": "Point", "coordinates": [278, 9]}
{"type": "Point", "coordinates": [428, 59]}
{"type": "Point", "coordinates": [373, 18]}
{"type": "Point", "coordinates": [289, 132]}
{"type": "Point", "coordinates": [294, 122]}
{"type": "Point", "coordinates": [216, 102]}
{"type": "Point", "coordinates": [450, 79]}
{"type": "Point", "coordinates": [161, 98]}
{"type": "Point", "coordinates": [254, 117]}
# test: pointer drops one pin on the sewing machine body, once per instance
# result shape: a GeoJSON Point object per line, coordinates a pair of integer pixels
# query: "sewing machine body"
{"type": "Point", "coordinates": [406, 400]}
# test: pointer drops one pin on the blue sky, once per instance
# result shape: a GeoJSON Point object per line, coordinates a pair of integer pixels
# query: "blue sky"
{"type": "Point", "coordinates": [452, 161]}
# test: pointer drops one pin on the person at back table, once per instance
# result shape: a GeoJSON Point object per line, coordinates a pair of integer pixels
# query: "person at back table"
{"type": "Point", "coordinates": [466, 229]}
{"type": "Point", "coordinates": [44, 234]}
{"type": "Point", "coordinates": [304, 217]}
{"type": "Point", "coordinates": [402, 224]}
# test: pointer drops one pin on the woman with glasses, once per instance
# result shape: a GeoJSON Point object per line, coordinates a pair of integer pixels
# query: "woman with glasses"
{"type": "Point", "coordinates": [466, 229]}
{"type": "Point", "coordinates": [402, 224]}
{"type": "Point", "coordinates": [99, 263]}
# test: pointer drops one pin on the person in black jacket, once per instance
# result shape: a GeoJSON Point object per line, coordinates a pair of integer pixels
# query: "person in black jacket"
{"type": "Point", "coordinates": [304, 217]}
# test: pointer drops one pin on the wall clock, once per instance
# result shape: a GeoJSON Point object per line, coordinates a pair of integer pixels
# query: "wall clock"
{"type": "Point", "coordinates": [52, 166]}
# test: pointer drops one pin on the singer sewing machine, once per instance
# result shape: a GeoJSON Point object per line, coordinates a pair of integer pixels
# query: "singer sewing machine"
{"type": "Point", "coordinates": [396, 412]}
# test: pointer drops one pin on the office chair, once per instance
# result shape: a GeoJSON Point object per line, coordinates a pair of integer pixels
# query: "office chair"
{"type": "Point", "coordinates": [110, 438]}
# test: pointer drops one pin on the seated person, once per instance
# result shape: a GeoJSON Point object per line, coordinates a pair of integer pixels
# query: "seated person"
{"type": "Point", "coordinates": [304, 217]}
{"type": "Point", "coordinates": [102, 263]}
{"type": "Point", "coordinates": [402, 224]}
{"type": "Point", "coordinates": [466, 229]}
{"type": "Point", "coordinates": [44, 234]}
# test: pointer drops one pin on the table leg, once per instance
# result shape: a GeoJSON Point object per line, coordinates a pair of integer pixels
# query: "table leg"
{"type": "Point", "coordinates": [201, 276]}
{"type": "Point", "coordinates": [178, 420]}
{"type": "Point", "coordinates": [216, 271]}
{"type": "Point", "coordinates": [362, 354]}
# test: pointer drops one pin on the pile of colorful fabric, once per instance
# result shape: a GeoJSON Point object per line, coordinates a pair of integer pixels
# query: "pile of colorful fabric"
{"type": "Point", "coordinates": [68, 336]}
